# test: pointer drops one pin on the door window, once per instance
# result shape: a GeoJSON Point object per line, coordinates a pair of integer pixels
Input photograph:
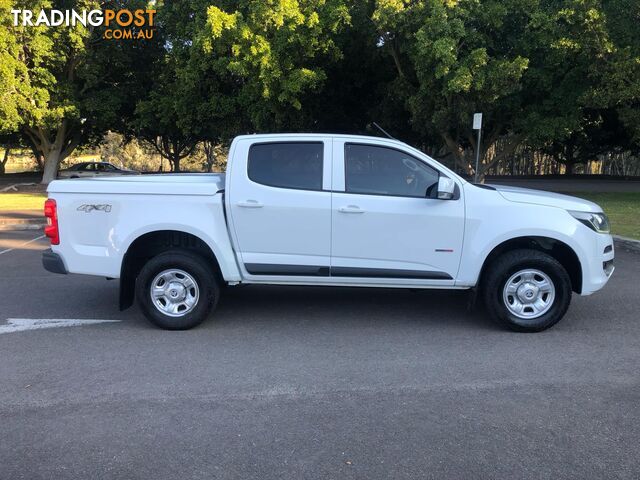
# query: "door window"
{"type": "Point", "coordinates": [375, 170]}
{"type": "Point", "coordinates": [287, 165]}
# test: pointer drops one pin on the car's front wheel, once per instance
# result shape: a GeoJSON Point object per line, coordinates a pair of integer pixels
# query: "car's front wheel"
{"type": "Point", "coordinates": [177, 290]}
{"type": "Point", "coordinates": [527, 290]}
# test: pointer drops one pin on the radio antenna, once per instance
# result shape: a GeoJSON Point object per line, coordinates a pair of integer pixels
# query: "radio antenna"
{"type": "Point", "coordinates": [383, 130]}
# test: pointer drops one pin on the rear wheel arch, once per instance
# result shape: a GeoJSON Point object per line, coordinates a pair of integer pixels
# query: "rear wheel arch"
{"type": "Point", "coordinates": [176, 290]}
{"type": "Point", "coordinates": [151, 244]}
{"type": "Point", "coordinates": [558, 249]}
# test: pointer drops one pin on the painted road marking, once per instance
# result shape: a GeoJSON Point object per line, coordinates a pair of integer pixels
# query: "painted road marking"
{"type": "Point", "coordinates": [21, 245]}
{"type": "Point", "coordinates": [24, 324]}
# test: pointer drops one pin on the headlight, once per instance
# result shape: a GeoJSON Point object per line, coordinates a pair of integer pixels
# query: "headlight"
{"type": "Point", "coordinates": [595, 221]}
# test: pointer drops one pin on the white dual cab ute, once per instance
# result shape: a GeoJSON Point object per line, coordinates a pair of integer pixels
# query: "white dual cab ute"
{"type": "Point", "coordinates": [334, 210]}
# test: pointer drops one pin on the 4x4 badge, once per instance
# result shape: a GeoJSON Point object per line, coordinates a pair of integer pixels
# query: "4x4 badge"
{"type": "Point", "coordinates": [89, 208]}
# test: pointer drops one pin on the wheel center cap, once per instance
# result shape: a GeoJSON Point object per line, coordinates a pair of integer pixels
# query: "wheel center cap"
{"type": "Point", "coordinates": [528, 292]}
{"type": "Point", "coordinates": [175, 291]}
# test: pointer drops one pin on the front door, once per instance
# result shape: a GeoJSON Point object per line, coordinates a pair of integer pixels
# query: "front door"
{"type": "Point", "coordinates": [280, 203]}
{"type": "Point", "coordinates": [387, 224]}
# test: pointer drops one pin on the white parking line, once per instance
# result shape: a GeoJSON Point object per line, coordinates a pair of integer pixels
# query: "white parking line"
{"type": "Point", "coordinates": [24, 324]}
{"type": "Point", "coordinates": [21, 245]}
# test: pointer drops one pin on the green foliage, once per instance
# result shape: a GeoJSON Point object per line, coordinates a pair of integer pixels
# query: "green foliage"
{"type": "Point", "coordinates": [275, 49]}
{"type": "Point", "coordinates": [46, 60]}
{"type": "Point", "coordinates": [66, 85]}
{"type": "Point", "coordinates": [24, 76]}
{"type": "Point", "coordinates": [618, 88]}
{"type": "Point", "coordinates": [235, 67]}
{"type": "Point", "coordinates": [532, 67]}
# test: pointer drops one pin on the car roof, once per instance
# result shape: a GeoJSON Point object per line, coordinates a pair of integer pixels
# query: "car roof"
{"type": "Point", "coordinates": [380, 140]}
{"type": "Point", "coordinates": [260, 136]}
{"type": "Point", "coordinates": [89, 163]}
{"type": "Point", "coordinates": [78, 165]}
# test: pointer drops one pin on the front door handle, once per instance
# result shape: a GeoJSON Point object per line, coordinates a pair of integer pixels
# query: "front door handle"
{"type": "Point", "coordinates": [250, 204]}
{"type": "Point", "coordinates": [350, 209]}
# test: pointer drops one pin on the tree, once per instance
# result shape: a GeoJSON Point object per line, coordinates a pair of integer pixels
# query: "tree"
{"type": "Point", "coordinates": [454, 59]}
{"type": "Point", "coordinates": [8, 142]}
{"type": "Point", "coordinates": [599, 132]}
{"type": "Point", "coordinates": [525, 64]}
{"type": "Point", "coordinates": [158, 122]}
{"type": "Point", "coordinates": [274, 54]}
{"type": "Point", "coordinates": [214, 156]}
{"type": "Point", "coordinates": [187, 102]}
{"type": "Point", "coordinates": [14, 94]}
{"type": "Point", "coordinates": [352, 95]}
{"type": "Point", "coordinates": [236, 67]}
{"type": "Point", "coordinates": [618, 74]}
{"type": "Point", "coordinates": [67, 84]}
{"type": "Point", "coordinates": [14, 141]}
{"type": "Point", "coordinates": [563, 120]}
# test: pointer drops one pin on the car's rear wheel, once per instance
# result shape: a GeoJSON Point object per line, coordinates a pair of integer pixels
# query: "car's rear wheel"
{"type": "Point", "coordinates": [177, 290]}
{"type": "Point", "coordinates": [527, 290]}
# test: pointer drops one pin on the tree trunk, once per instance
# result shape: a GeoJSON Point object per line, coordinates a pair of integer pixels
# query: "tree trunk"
{"type": "Point", "coordinates": [52, 161]}
{"type": "Point", "coordinates": [7, 152]}
{"type": "Point", "coordinates": [506, 151]}
{"type": "Point", "coordinates": [210, 154]}
{"type": "Point", "coordinates": [457, 151]}
{"type": "Point", "coordinates": [37, 154]}
{"type": "Point", "coordinates": [53, 152]}
{"type": "Point", "coordinates": [38, 157]}
{"type": "Point", "coordinates": [568, 167]}
{"type": "Point", "coordinates": [172, 149]}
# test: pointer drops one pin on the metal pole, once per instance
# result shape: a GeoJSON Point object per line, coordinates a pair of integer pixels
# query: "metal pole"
{"type": "Point", "coordinates": [477, 156]}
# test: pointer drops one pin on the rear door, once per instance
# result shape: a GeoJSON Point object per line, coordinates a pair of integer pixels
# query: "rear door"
{"type": "Point", "coordinates": [280, 206]}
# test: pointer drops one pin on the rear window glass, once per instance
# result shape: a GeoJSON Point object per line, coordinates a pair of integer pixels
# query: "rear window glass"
{"type": "Point", "coordinates": [287, 165]}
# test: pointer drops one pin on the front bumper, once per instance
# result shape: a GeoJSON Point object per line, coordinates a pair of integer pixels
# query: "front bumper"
{"type": "Point", "coordinates": [599, 267]}
{"type": "Point", "coordinates": [52, 262]}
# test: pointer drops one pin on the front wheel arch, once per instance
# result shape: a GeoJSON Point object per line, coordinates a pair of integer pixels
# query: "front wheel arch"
{"type": "Point", "coordinates": [509, 306]}
{"type": "Point", "coordinates": [559, 250]}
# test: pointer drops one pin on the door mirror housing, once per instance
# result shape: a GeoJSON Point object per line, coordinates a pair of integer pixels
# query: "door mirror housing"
{"type": "Point", "coordinates": [446, 188]}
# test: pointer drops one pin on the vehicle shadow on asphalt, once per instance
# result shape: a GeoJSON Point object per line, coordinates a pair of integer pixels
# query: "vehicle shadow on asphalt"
{"type": "Point", "coordinates": [353, 306]}
{"type": "Point", "coordinates": [282, 306]}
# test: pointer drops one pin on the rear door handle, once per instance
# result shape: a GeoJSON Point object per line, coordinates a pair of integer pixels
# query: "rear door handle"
{"type": "Point", "coordinates": [350, 209]}
{"type": "Point", "coordinates": [250, 204]}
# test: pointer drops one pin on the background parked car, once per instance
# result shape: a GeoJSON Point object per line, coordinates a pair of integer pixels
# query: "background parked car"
{"type": "Point", "coordinates": [93, 169]}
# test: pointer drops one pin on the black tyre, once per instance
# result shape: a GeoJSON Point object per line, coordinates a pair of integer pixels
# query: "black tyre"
{"type": "Point", "coordinates": [526, 290]}
{"type": "Point", "coordinates": [177, 290]}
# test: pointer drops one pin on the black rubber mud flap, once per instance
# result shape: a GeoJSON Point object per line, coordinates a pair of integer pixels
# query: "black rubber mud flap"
{"type": "Point", "coordinates": [127, 288]}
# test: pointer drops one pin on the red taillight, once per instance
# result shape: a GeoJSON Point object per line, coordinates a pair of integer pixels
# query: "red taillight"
{"type": "Point", "coordinates": [51, 213]}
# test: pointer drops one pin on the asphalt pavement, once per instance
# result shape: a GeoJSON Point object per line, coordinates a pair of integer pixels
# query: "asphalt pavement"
{"type": "Point", "coordinates": [292, 382]}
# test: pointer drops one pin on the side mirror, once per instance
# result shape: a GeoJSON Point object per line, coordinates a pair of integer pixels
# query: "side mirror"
{"type": "Point", "coordinates": [446, 188]}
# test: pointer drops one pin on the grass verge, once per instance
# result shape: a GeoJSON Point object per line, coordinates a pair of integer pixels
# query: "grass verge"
{"type": "Point", "coordinates": [622, 208]}
{"type": "Point", "coordinates": [22, 201]}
